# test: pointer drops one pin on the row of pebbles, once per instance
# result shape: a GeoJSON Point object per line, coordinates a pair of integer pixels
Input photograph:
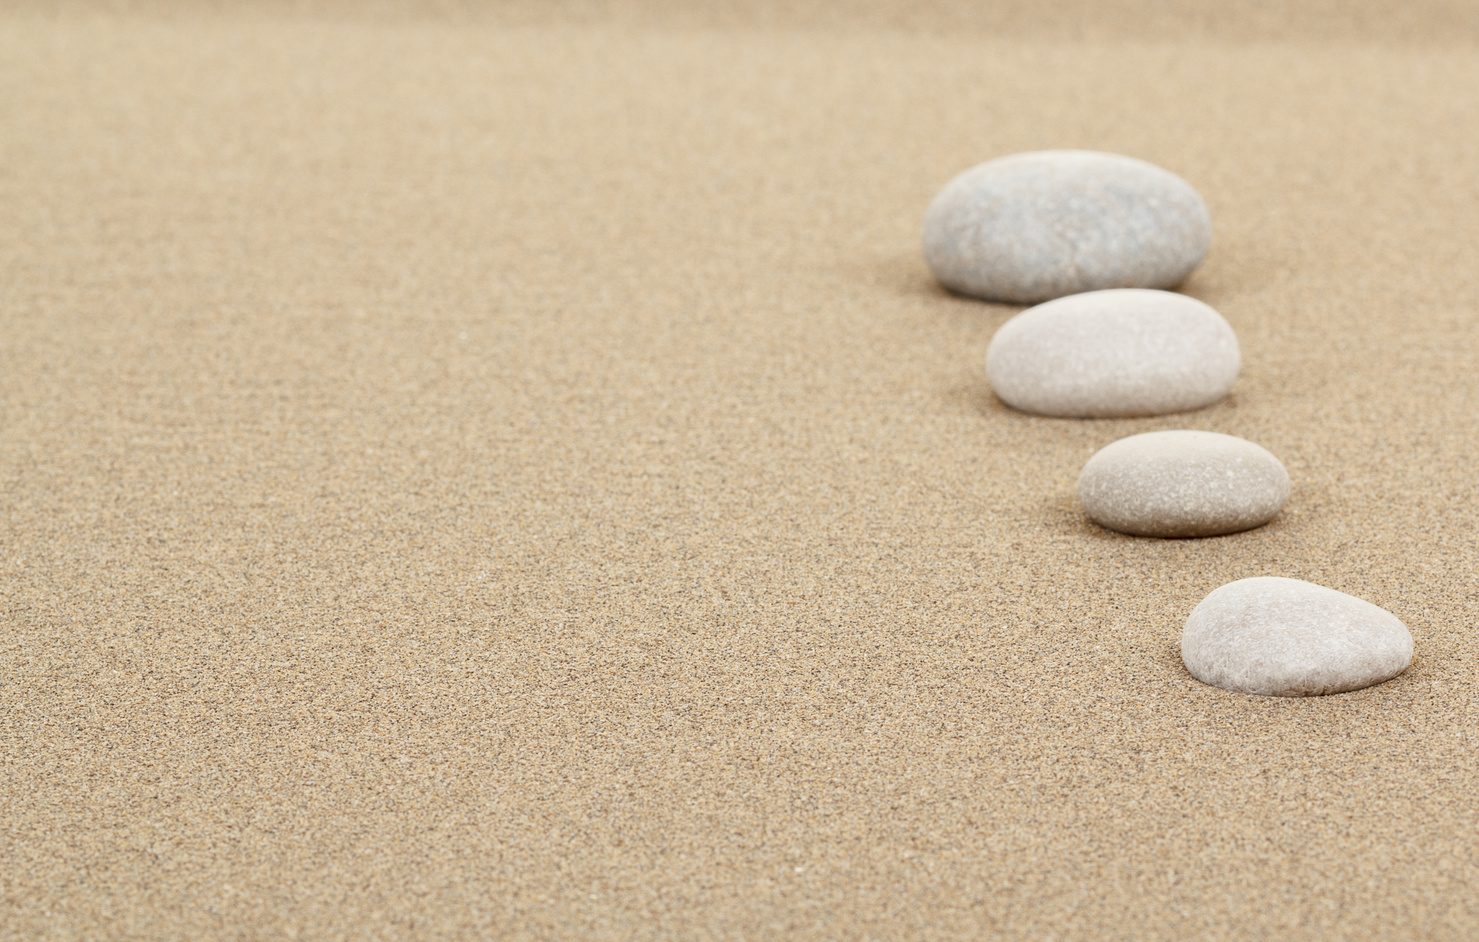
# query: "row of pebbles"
{"type": "Point", "coordinates": [1092, 240]}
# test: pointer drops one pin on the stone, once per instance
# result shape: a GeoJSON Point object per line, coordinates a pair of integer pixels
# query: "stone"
{"type": "Point", "coordinates": [1279, 637]}
{"type": "Point", "coordinates": [1041, 225]}
{"type": "Point", "coordinates": [1182, 484]}
{"type": "Point", "coordinates": [1114, 353]}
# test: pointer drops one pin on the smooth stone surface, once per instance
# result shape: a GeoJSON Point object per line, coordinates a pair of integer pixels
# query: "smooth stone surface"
{"type": "Point", "coordinates": [1040, 225]}
{"type": "Point", "coordinates": [1182, 484]}
{"type": "Point", "coordinates": [1288, 638]}
{"type": "Point", "coordinates": [1120, 352]}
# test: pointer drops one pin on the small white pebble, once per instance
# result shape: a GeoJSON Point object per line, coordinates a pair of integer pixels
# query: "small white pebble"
{"type": "Point", "coordinates": [1289, 638]}
{"type": "Point", "coordinates": [1182, 484]}
{"type": "Point", "coordinates": [1040, 225]}
{"type": "Point", "coordinates": [1121, 352]}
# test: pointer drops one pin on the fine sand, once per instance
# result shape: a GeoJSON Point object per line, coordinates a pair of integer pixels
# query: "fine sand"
{"type": "Point", "coordinates": [507, 472]}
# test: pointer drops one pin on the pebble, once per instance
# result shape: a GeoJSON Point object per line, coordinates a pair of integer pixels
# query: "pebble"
{"type": "Point", "coordinates": [1041, 225]}
{"type": "Point", "coordinates": [1182, 484]}
{"type": "Point", "coordinates": [1288, 638]}
{"type": "Point", "coordinates": [1119, 352]}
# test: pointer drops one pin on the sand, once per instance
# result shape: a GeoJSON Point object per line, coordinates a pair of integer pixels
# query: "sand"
{"type": "Point", "coordinates": [508, 473]}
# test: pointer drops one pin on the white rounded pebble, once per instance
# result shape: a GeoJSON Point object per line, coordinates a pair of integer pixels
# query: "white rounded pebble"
{"type": "Point", "coordinates": [1280, 637]}
{"type": "Point", "coordinates": [1040, 225]}
{"type": "Point", "coordinates": [1120, 352]}
{"type": "Point", "coordinates": [1182, 484]}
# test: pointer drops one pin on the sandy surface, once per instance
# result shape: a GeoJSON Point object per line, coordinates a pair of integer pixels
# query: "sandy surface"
{"type": "Point", "coordinates": [510, 474]}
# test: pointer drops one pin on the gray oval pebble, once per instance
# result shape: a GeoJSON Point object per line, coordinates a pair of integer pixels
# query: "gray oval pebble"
{"type": "Point", "coordinates": [1119, 352]}
{"type": "Point", "coordinates": [1289, 638]}
{"type": "Point", "coordinates": [1182, 484]}
{"type": "Point", "coordinates": [1040, 225]}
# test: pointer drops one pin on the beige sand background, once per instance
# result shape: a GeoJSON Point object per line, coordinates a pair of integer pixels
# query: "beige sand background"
{"type": "Point", "coordinates": [507, 472]}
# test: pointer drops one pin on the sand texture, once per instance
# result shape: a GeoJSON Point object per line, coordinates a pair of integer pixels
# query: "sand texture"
{"type": "Point", "coordinates": [509, 473]}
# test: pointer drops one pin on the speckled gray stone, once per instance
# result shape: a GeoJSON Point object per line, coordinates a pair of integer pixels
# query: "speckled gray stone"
{"type": "Point", "coordinates": [1040, 225]}
{"type": "Point", "coordinates": [1182, 484]}
{"type": "Point", "coordinates": [1120, 352]}
{"type": "Point", "coordinates": [1288, 638]}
